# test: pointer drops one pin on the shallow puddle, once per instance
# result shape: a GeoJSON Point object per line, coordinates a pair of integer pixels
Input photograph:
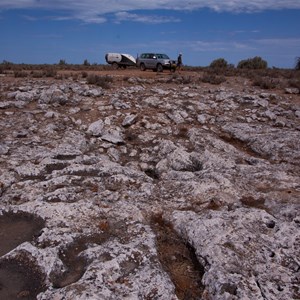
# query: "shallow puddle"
{"type": "Point", "coordinates": [20, 279]}
{"type": "Point", "coordinates": [17, 228]}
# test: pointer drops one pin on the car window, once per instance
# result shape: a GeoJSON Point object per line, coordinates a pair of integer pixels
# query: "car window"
{"type": "Point", "coordinates": [163, 56]}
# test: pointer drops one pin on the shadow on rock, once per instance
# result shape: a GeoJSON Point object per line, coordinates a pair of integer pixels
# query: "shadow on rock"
{"type": "Point", "coordinates": [74, 263]}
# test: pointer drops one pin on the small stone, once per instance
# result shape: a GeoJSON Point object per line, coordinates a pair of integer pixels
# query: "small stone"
{"type": "Point", "coordinates": [96, 128]}
{"type": "Point", "coordinates": [129, 120]}
{"type": "Point", "coordinates": [292, 90]}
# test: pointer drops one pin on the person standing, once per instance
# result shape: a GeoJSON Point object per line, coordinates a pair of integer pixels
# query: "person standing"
{"type": "Point", "coordinates": [179, 61]}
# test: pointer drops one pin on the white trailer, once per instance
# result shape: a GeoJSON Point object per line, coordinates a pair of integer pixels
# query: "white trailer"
{"type": "Point", "coordinates": [120, 60]}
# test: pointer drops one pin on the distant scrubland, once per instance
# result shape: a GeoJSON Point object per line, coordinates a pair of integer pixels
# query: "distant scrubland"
{"type": "Point", "coordinates": [219, 69]}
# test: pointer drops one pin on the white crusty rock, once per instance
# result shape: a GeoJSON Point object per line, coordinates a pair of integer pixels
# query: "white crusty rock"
{"type": "Point", "coordinates": [292, 90]}
{"type": "Point", "coordinates": [113, 136]}
{"type": "Point", "coordinates": [96, 128]}
{"type": "Point", "coordinates": [219, 164]}
{"type": "Point", "coordinates": [202, 119]}
{"type": "Point", "coordinates": [245, 252]}
{"type": "Point", "coordinates": [179, 160]}
{"type": "Point", "coordinates": [129, 120]}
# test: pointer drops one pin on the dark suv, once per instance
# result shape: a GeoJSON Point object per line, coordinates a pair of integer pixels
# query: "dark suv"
{"type": "Point", "coordinates": [155, 61]}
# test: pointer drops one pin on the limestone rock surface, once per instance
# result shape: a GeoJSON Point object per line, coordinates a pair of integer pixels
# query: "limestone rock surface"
{"type": "Point", "coordinates": [88, 176]}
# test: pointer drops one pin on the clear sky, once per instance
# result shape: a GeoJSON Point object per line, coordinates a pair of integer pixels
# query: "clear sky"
{"type": "Point", "coordinates": [45, 31]}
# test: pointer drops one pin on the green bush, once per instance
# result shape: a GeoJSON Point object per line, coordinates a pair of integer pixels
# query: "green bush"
{"type": "Point", "coordinates": [62, 62]}
{"type": "Point", "coordinates": [253, 63]}
{"type": "Point", "coordinates": [219, 63]}
{"type": "Point", "coordinates": [297, 67]}
{"type": "Point", "coordinates": [86, 63]}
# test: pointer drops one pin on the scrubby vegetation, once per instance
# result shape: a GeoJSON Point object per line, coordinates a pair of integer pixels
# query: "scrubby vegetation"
{"type": "Point", "coordinates": [86, 63]}
{"type": "Point", "coordinates": [217, 72]}
{"type": "Point", "coordinates": [219, 63]}
{"type": "Point", "coordinates": [213, 78]}
{"type": "Point", "coordinates": [253, 63]}
{"type": "Point", "coordinates": [102, 81]}
{"type": "Point", "coordinates": [266, 83]}
{"type": "Point", "coordinates": [297, 67]}
{"type": "Point", "coordinates": [62, 62]}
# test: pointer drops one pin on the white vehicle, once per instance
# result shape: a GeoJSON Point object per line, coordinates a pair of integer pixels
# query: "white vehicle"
{"type": "Point", "coordinates": [120, 60]}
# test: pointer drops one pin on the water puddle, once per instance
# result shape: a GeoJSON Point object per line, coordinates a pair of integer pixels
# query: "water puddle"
{"type": "Point", "coordinates": [20, 279]}
{"type": "Point", "coordinates": [17, 228]}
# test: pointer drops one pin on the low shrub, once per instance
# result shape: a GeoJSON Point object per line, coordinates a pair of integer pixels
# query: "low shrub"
{"type": "Point", "coordinates": [20, 73]}
{"type": "Point", "coordinates": [62, 62]}
{"type": "Point", "coordinates": [75, 76]}
{"type": "Point", "coordinates": [297, 66]}
{"type": "Point", "coordinates": [84, 74]}
{"type": "Point", "coordinates": [86, 63]}
{"type": "Point", "coordinates": [219, 63]}
{"type": "Point", "coordinates": [102, 81]}
{"type": "Point", "coordinates": [266, 83]}
{"type": "Point", "coordinates": [37, 74]}
{"type": "Point", "coordinates": [294, 83]}
{"type": "Point", "coordinates": [183, 132]}
{"type": "Point", "coordinates": [50, 72]}
{"type": "Point", "coordinates": [186, 80]}
{"type": "Point", "coordinates": [213, 78]}
{"type": "Point", "coordinates": [253, 63]}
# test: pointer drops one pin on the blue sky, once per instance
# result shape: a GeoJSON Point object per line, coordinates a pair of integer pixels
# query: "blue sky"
{"type": "Point", "coordinates": [45, 31]}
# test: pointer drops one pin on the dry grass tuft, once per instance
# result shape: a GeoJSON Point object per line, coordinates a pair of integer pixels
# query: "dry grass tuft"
{"type": "Point", "coordinates": [183, 132]}
{"type": "Point", "coordinates": [20, 73]}
{"type": "Point", "coordinates": [212, 78]}
{"type": "Point", "coordinates": [266, 83]}
{"type": "Point", "coordinates": [252, 202]}
{"type": "Point", "coordinates": [102, 81]}
{"type": "Point", "coordinates": [178, 259]}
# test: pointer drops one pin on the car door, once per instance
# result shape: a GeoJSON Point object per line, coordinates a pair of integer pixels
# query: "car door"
{"type": "Point", "coordinates": [151, 61]}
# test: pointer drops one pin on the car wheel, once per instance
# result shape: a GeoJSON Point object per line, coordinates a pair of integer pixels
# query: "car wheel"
{"type": "Point", "coordinates": [142, 67]}
{"type": "Point", "coordinates": [115, 66]}
{"type": "Point", "coordinates": [159, 68]}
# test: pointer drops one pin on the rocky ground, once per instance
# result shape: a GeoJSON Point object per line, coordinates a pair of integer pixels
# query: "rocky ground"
{"type": "Point", "coordinates": [160, 187]}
